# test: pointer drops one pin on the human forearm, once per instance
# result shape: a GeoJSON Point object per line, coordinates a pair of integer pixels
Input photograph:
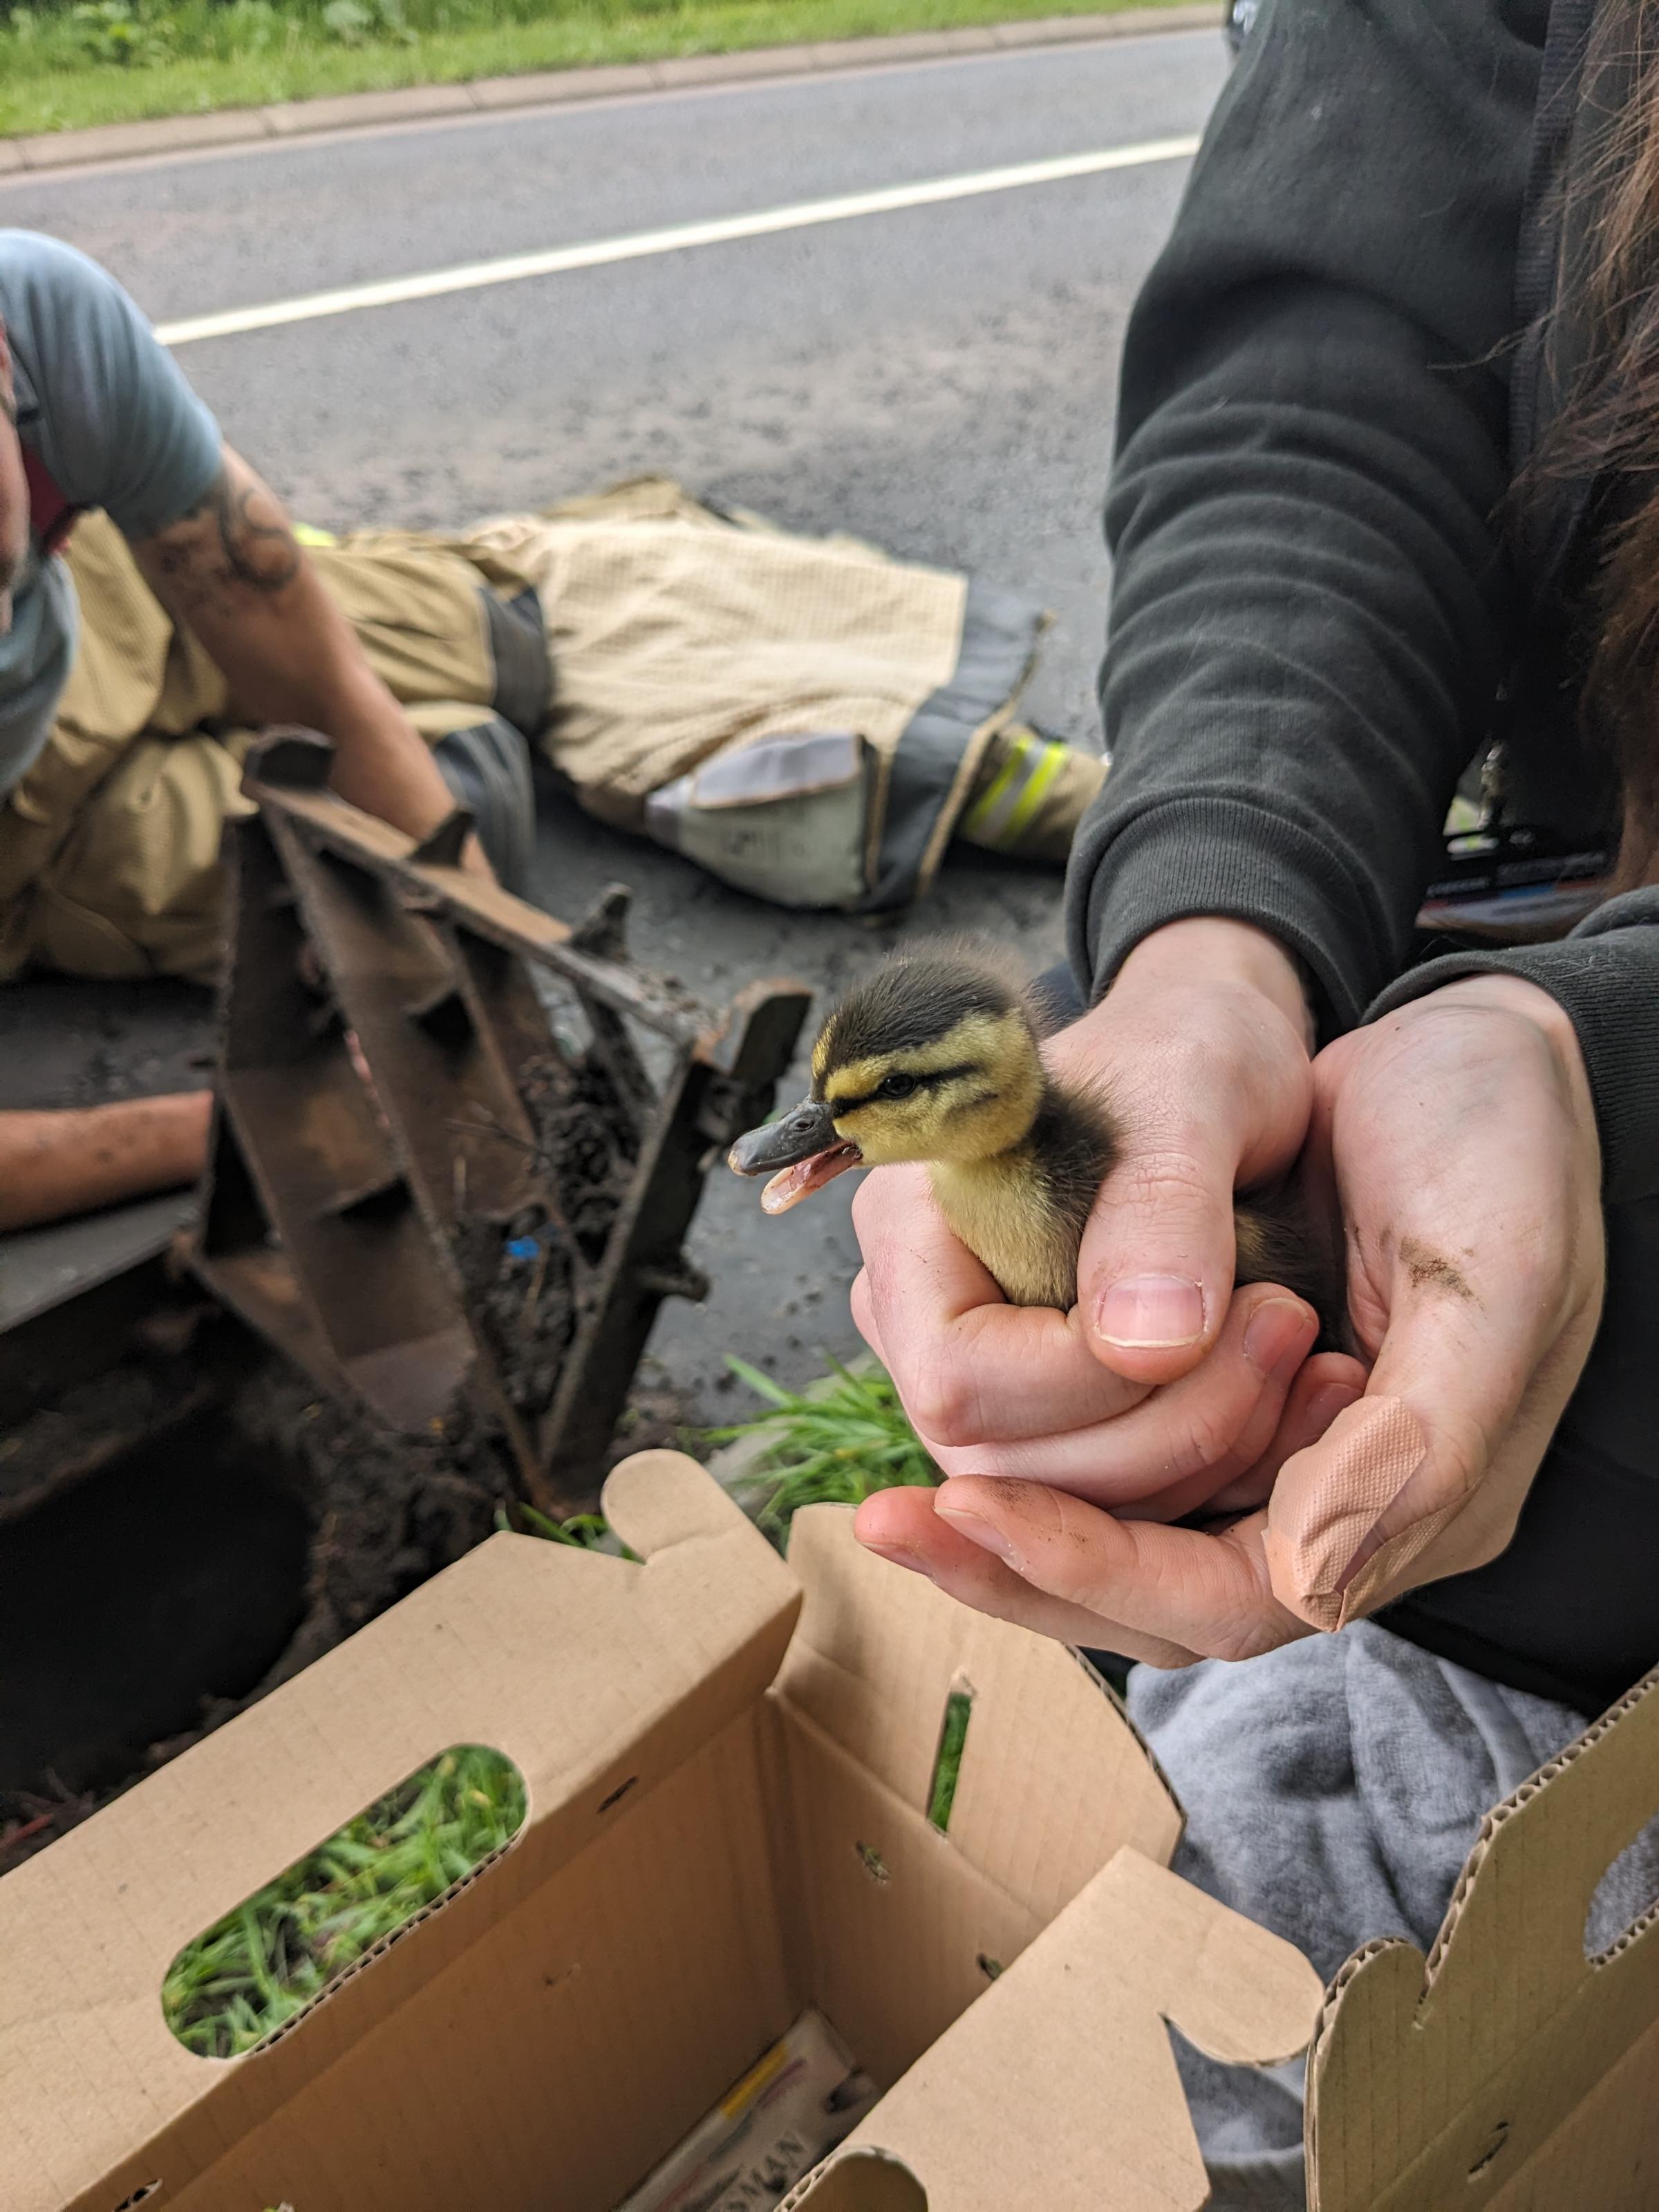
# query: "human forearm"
{"type": "Point", "coordinates": [381, 763]}
{"type": "Point", "coordinates": [232, 571]}
{"type": "Point", "coordinates": [53, 1165]}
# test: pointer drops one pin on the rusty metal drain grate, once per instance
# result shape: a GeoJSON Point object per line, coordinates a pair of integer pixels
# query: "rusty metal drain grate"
{"type": "Point", "coordinates": [422, 1185]}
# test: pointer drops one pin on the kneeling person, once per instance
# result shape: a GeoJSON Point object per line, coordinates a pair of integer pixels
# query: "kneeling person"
{"type": "Point", "coordinates": [156, 610]}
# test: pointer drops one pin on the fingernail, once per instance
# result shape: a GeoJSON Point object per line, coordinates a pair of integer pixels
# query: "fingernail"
{"type": "Point", "coordinates": [1325, 1405]}
{"type": "Point", "coordinates": [899, 1557]}
{"type": "Point", "coordinates": [977, 1530]}
{"type": "Point", "coordinates": [1151, 1313]}
{"type": "Point", "coordinates": [1278, 1337]}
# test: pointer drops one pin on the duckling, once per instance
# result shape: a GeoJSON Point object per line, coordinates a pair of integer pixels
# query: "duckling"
{"type": "Point", "coordinates": [935, 1058]}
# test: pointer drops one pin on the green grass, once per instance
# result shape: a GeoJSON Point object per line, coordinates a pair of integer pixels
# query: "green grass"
{"type": "Point", "coordinates": [836, 1445]}
{"type": "Point", "coordinates": [263, 1963]}
{"type": "Point", "coordinates": [64, 66]}
{"type": "Point", "coordinates": [947, 1764]}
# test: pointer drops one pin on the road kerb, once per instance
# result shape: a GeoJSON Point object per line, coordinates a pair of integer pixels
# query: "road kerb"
{"type": "Point", "coordinates": [412, 103]}
{"type": "Point", "coordinates": [731, 69]}
{"type": "Point", "coordinates": [553, 88]}
{"type": "Point", "coordinates": [902, 46]}
{"type": "Point", "coordinates": [126, 142]}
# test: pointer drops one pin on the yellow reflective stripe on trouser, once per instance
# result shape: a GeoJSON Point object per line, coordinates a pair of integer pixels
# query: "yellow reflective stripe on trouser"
{"type": "Point", "coordinates": [1001, 817]}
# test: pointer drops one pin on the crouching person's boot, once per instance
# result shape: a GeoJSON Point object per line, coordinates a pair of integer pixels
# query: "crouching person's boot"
{"type": "Point", "coordinates": [1028, 795]}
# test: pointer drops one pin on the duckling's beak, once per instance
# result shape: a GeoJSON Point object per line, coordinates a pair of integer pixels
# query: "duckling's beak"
{"type": "Point", "coordinates": [803, 1146]}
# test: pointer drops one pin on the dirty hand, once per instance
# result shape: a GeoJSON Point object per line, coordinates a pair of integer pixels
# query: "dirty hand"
{"type": "Point", "coordinates": [1201, 1049]}
{"type": "Point", "coordinates": [1458, 1137]}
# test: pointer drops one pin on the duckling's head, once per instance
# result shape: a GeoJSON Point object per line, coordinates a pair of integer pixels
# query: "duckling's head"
{"type": "Point", "coordinates": [933, 1058]}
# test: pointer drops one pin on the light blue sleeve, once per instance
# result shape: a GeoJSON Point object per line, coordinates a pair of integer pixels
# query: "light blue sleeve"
{"type": "Point", "coordinates": [117, 425]}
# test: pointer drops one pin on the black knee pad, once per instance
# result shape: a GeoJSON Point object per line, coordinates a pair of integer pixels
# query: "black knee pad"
{"type": "Point", "coordinates": [524, 670]}
{"type": "Point", "coordinates": [487, 767]}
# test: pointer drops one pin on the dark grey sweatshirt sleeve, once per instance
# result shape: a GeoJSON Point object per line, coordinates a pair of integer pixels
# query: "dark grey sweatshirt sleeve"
{"type": "Point", "coordinates": [1606, 976]}
{"type": "Point", "coordinates": [1310, 608]}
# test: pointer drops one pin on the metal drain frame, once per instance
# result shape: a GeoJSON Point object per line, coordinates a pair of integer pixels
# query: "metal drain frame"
{"type": "Point", "coordinates": [377, 1019]}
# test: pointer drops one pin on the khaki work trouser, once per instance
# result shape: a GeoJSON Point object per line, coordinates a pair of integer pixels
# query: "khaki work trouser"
{"type": "Point", "coordinates": [684, 635]}
{"type": "Point", "coordinates": [109, 846]}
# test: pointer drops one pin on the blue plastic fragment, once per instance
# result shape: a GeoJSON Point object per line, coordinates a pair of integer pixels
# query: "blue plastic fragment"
{"type": "Point", "coordinates": [523, 1248]}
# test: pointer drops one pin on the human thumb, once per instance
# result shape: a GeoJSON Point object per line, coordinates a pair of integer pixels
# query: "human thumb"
{"type": "Point", "coordinates": [1156, 1267]}
{"type": "Point", "coordinates": [1341, 1523]}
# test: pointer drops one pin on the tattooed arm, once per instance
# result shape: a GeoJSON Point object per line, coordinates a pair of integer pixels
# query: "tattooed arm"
{"type": "Point", "coordinates": [232, 571]}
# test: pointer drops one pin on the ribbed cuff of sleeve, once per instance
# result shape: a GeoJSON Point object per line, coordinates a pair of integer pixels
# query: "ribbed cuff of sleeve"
{"type": "Point", "coordinates": [1190, 856]}
{"type": "Point", "coordinates": [1606, 978]}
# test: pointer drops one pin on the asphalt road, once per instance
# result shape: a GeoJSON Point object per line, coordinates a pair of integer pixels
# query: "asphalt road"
{"type": "Point", "coordinates": [938, 379]}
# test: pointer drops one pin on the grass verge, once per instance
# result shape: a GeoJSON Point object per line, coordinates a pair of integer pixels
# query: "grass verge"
{"type": "Point", "coordinates": [65, 66]}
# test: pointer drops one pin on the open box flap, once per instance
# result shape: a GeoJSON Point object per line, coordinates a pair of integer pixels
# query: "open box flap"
{"type": "Point", "coordinates": [583, 1670]}
{"type": "Point", "coordinates": [1491, 2072]}
{"type": "Point", "coordinates": [1054, 1777]}
{"type": "Point", "coordinates": [1059, 2088]}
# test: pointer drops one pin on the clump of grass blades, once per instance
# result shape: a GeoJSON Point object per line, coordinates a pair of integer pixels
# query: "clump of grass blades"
{"type": "Point", "coordinates": [835, 1446]}
{"type": "Point", "coordinates": [585, 1532]}
{"type": "Point", "coordinates": [263, 1963]}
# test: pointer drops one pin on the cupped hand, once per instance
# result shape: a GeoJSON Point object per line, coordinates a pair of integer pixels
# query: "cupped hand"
{"type": "Point", "coordinates": [1201, 1049]}
{"type": "Point", "coordinates": [1458, 1138]}
{"type": "Point", "coordinates": [1015, 1391]}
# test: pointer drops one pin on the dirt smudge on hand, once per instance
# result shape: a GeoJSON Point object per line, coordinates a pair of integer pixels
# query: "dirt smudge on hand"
{"type": "Point", "coordinates": [1431, 1270]}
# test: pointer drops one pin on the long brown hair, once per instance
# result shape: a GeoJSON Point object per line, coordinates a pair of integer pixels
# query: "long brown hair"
{"type": "Point", "coordinates": [1608, 428]}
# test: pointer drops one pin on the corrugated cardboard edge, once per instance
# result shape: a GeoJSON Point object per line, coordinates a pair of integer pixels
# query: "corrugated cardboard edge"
{"type": "Point", "coordinates": [1441, 2080]}
{"type": "Point", "coordinates": [1054, 1776]}
{"type": "Point", "coordinates": [517, 1645]}
{"type": "Point", "coordinates": [1060, 2088]}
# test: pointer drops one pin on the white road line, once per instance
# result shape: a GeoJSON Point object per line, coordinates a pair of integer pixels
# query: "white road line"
{"type": "Point", "coordinates": [472, 275]}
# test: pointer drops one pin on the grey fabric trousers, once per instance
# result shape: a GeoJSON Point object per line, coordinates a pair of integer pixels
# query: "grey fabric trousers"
{"type": "Point", "coordinates": [1333, 1791]}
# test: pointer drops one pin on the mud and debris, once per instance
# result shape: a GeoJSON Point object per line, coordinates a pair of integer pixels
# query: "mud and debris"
{"type": "Point", "coordinates": [379, 1512]}
{"type": "Point", "coordinates": [528, 1279]}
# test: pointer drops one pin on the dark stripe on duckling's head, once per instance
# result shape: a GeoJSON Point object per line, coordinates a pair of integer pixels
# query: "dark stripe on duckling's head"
{"type": "Point", "coordinates": [903, 1083]}
{"type": "Point", "coordinates": [933, 1058]}
{"type": "Point", "coordinates": [904, 1006]}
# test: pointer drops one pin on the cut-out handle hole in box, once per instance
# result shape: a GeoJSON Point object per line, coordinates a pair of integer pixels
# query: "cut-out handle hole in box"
{"type": "Point", "coordinates": [255, 1973]}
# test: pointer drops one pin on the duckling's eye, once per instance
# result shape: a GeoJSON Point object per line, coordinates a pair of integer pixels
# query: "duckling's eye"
{"type": "Point", "coordinates": [895, 1086]}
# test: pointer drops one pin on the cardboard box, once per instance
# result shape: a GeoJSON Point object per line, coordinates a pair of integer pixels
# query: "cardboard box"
{"type": "Point", "coordinates": [729, 1762]}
